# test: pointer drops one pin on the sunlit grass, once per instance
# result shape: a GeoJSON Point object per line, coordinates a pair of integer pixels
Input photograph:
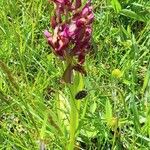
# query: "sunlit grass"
{"type": "Point", "coordinates": [115, 113]}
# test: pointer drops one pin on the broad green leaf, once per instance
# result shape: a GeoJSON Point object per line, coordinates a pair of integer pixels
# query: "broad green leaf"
{"type": "Point", "coordinates": [93, 107]}
{"type": "Point", "coordinates": [108, 112]}
{"type": "Point", "coordinates": [43, 129]}
{"type": "Point", "coordinates": [134, 15]}
{"type": "Point", "coordinates": [116, 5]}
{"type": "Point", "coordinates": [63, 107]}
{"type": "Point", "coordinates": [146, 80]}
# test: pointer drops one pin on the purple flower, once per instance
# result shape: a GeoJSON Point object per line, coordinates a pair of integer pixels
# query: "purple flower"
{"type": "Point", "coordinates": [72, 29]}
{"type": "Point", "coordinates": [77, 4]}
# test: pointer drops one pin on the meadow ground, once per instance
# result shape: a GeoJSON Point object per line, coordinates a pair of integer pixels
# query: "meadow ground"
{"type": "Point", "coordinates": [116, 112]}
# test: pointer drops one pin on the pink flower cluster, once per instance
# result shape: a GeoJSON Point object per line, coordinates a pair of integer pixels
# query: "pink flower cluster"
{"type": "Point", "coordinates": [72, 28]}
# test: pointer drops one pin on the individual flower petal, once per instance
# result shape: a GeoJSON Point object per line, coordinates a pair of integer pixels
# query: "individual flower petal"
{"type": "Point", "coordinates": [80, 22]}
{"type": "Point", "coordinates": [47, 34]}
{"type": "Point", "coordinates": [88, 31]}
{"type": "Point", "coordinates": [77, 4]}
{"type": "Point", "coordinates": [53, 22]}
{"type": "Point", "coordinates": [63, 43]}
{"type": "Point", "coordinates": [71, 30]}
{"type": "Point", "coordinates": [59, 1]}
{"type": "Point", "coordinates": [86, 10]}
{"type": "Point", "coordinates": [90, 18]}
{"type": "Point", "coordinates": [64, 32]}
{"type": "Point", "coordinates": [50, 42]}
{"type": "Point", "coordinates": [81, 58]}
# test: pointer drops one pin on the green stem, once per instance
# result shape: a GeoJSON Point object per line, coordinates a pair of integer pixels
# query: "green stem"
{"type": "Point", "coordinates": [74, 109]}
{"type": "Point", "coordinates": [74, 121]}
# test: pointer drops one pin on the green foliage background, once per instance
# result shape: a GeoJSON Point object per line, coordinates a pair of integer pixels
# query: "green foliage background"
{"type": "Point", "coordinates": [116, 112]}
